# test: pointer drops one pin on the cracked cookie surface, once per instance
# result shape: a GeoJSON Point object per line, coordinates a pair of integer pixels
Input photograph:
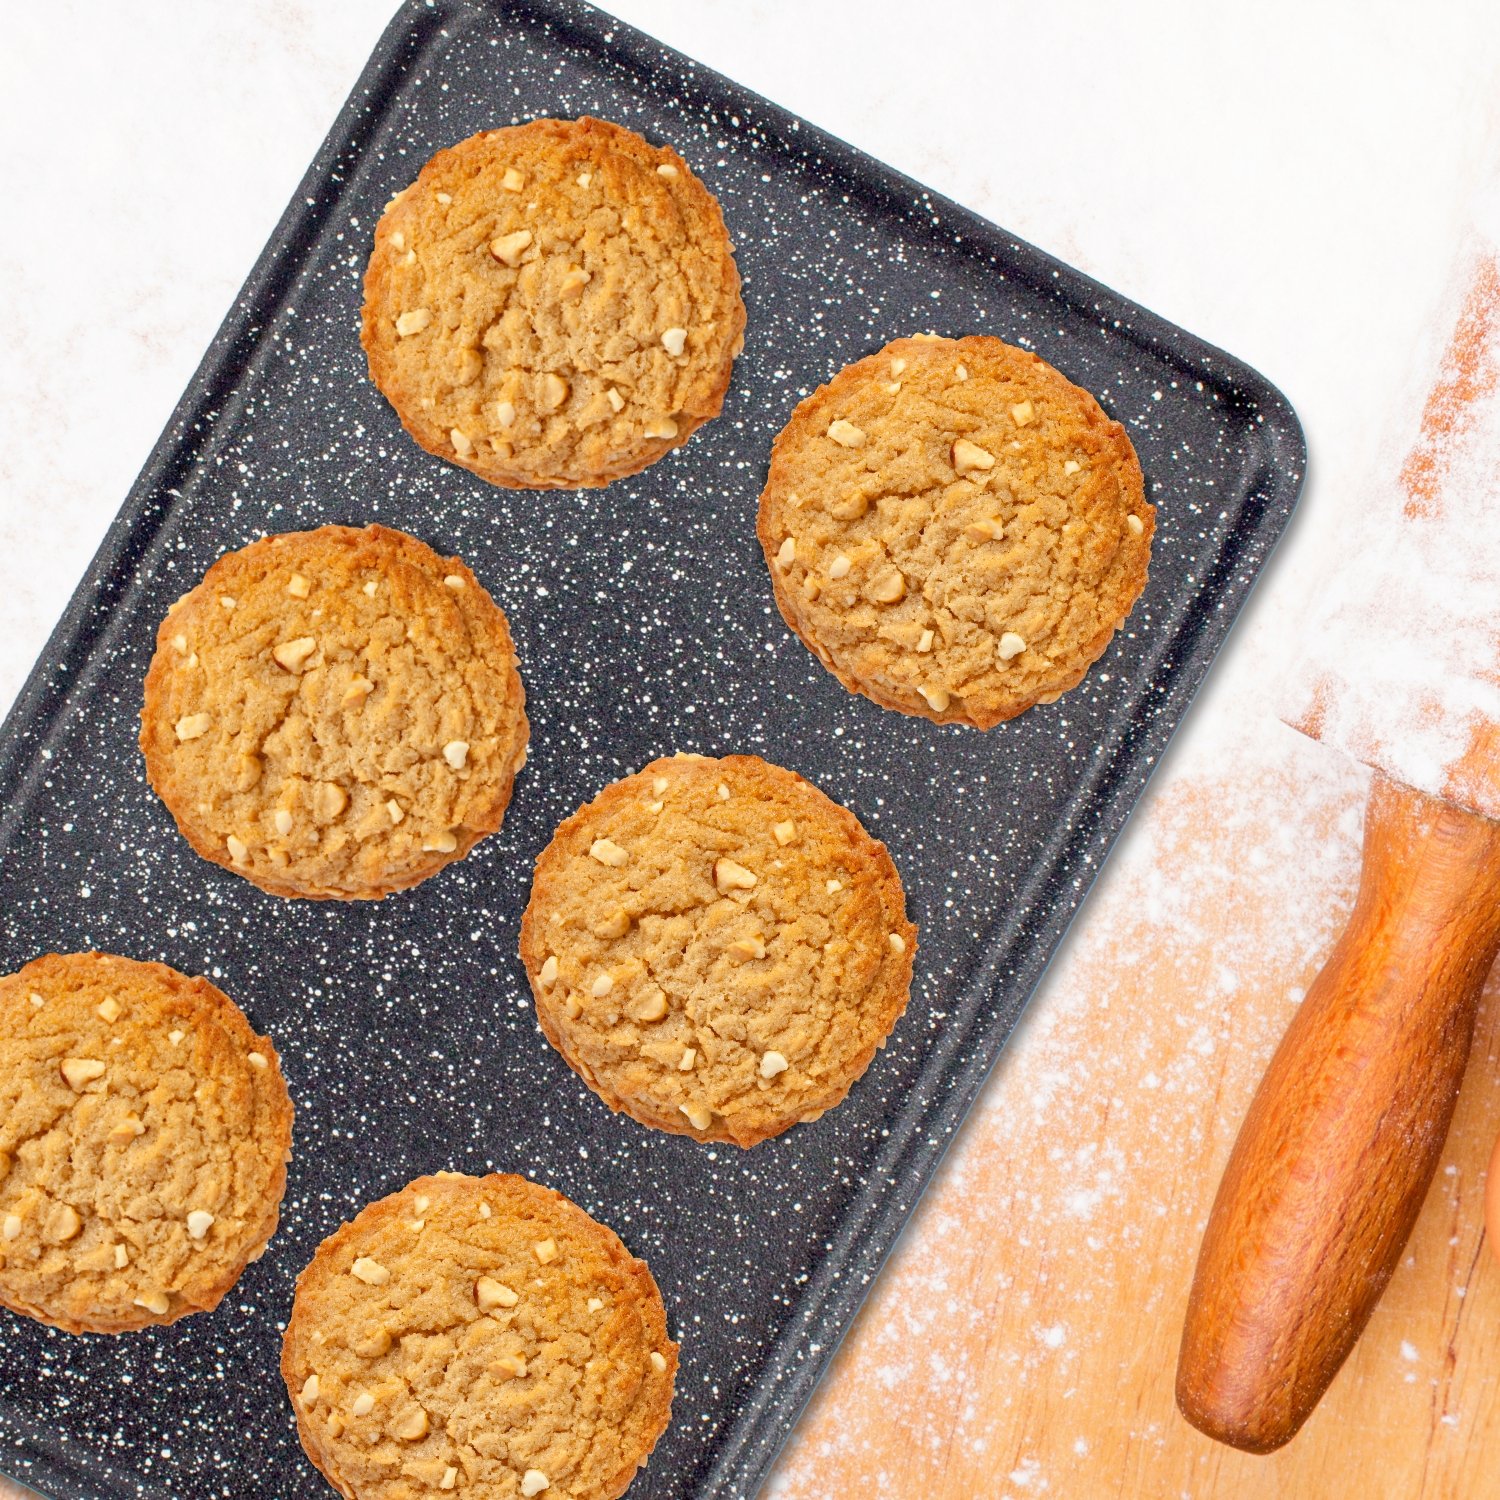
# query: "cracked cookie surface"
{"type": "Point", "coordinates": [553, 305]}
{"type": "Point", "coordinates": [144, 1135]}
{"type": "Point", "coordinates": [716, 948]}
{"type": "Point", "coordinates": [955, 529]}
{"type": "Point", "coordinates": [482, 1335]}
{"type": "Point", "coordinates": [335, 713]}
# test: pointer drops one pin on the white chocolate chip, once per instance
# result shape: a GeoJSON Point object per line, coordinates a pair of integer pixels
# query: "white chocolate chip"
{"type": "Point", "coordinates": [122, 1257]}
{"type": "Point", "coordinates": [839, 567]}
{"type": "Point", "coordinates": [660, 427]}
{"type": "Point", "coordinates": [513, 181]}
{"type": "Point", "coordinates": [969, 457]}
{"type": "Point", "coordinates": [283, 821]}
{"type": "Point", "coordinates": [889, 587]}
{"type": "Point", "coordinates": [897, 942]}
{"type": "Point", "coordinates": [154, 1302]}
{"type": "Point", "coordinates": [1072, 466]}
{"type": "Point", "coordinates": [545, 1251]}
{"type": "Point", "coordinates": [722, 792]}
{"type": "Point", "coordinates": [371, 586]}
{"type": "Point", "coordinates": [772, 1063]}
{"type": "Point", "coordinates": [962, 372]}
{"type": "Point", "coordinates": [456, 753]}
{"type": "Point", "coordinates": [257, 1060]}
{"type": "Point", "coordinates": [652, 1008]}
{"type": "Point", "coordinates": [443, 197]}
{"type": "Point", "coordinates": [785, 832]}
{"type": "Point", "coordinates": [398, 240]}
{"type": "Point", "coordinates": [833, 887]}
{"type": "Point", "coordinates": [659, 784]}
{"type": "Point", "coordinates": [1011, 645]}
{"type": "Point", "coordinates": [584, 178]}
{"type": "Point", "coordinates": [1136, 525]}
{"type": "Point", "coordinates": [699, 1116]}
{"type": "Point", "coordinates": [686, 1061]}
{"type": "Point", "coordinates": [1023, 413]}
{"type": "Point", "coordinates": [602, 985]}
{"type": "Point", "coordinates": [937, 698]}
{"type": "Point", "coordinates": [533, 1482]}
{"type": "Point", "coordinates": [846, 434]}
{"type": "Point", "coordinates": [291, 654]}
{"type": "Point", "coordinates": [175, 1037]}
{"type": "Point", "coordinates": [607, 852]}
{"type": "Point", "coordinates": [673, 340]}
{"type": "Point", "coordinates": [440, 843]}
{"type": "Point", "coordinates": [413, 322]}
{"type": "Point", "coordinates": [449, 1479]}
{"type": "Point", "coordinates": [490, 1294]}
{"type": "Point", "coordinates": [666, 169]}
{"type": "Point", "coordinates": [554, 391]}
{"type": "Point", "coordinates": [548, 975]}
{"type": "Point", "coordinates": [786, 554]}
{"type": "Point", "coordinates": [11, 1229]}
{"type": "Point", "coordinates": [193, 726]}
{"type": "Point", "coordinates": [463, 445]}
{"type": "Point", "coordinates": [227, 601]}
{"type": "Point", "coordinates": [199, 1222]}
{"type": "Point", "coordinates": [594, 1304]}
{"type": "Point", "coordinates": [484, 1210]}
{"type": "Point", "coordinates": [616, 400]}
{"type": "Point", "coordinates": [362, 1405]}
{"type": "Point", "coordinates": [298, 587]}
{"type": "Point", "coordinates": [897, 366]}
{"type": "Point", "coordinates": [729, 875]}
{"type": "Point", "coordinates": [371, 1272]}
{"type": "Point", "coordinates": [109, 1008]}
{"type": "Point", "coordinates": [37, 1001]}
{"type": "Point", "coordinates": [505, 413]}
{"type": "Point", "coordinates": [81, 1071]}
{"type": "Point", "coordinates": [239, 852]}
{"type": "Point", "coordinates": [394, 811]}
{"type": "Point", "coordinates": [658, 1361]}
{"type": "Point", "coordinates": [924, 641]}
{"type": "Point", "coordinates": [179, 644]}
{"type": "Point", "coordinates": [509, 247]}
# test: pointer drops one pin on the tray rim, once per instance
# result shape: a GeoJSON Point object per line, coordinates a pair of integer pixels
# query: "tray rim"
{"type": "Point", "coordinates": [753, 1438]}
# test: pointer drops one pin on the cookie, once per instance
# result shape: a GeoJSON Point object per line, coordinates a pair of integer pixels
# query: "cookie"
{"type": "Point", "coordinates": [335, 713]}
{"type": "Point", "coordinates": [955, 529]}
{"type": "Point", "coordinates": [716, 948]}
{"type": "Point", "coordinates": [482, 1335]}
{"type": "Point", "coordinates": [553, 305]}
{"type": "Point", "coordinates": [144, 1135]}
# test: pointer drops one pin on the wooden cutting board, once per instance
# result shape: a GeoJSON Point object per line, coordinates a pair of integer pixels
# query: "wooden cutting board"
{"type": "Point", "coordinates": [1023, 1339]}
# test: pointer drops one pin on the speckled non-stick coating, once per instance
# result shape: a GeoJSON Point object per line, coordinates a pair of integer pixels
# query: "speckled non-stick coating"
{"type": "Point", "coordinates": [644, 621]}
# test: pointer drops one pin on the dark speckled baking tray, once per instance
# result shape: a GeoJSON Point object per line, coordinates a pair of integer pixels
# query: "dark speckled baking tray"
{"type": "Point", "coordinates": [644, 622]}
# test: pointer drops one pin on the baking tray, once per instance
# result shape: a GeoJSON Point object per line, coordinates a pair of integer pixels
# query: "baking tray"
{"type": "Point", "coordinates": [644, 622]}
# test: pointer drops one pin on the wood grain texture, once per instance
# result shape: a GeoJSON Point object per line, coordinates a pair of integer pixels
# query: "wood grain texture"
{"type": "Point", "coordinates": [1342, 1138]}
{"type": "Point", "coordinates": [1023, 1339]}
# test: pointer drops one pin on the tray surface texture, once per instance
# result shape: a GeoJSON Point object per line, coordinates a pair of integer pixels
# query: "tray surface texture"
{"type": "Point", "coordinates": [644, 623]}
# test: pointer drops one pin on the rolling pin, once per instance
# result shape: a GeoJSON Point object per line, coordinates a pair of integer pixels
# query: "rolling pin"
{"type": "Point", "coordinates": [1341, 1141]}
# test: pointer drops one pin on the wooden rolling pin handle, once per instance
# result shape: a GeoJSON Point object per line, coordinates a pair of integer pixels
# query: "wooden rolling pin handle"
{"type": "Point", "coordinates": [1343, 1136]}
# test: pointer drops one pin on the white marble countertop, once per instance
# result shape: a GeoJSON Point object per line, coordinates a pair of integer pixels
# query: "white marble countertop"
{"type": "Point", "coordinates": [1287, 181]}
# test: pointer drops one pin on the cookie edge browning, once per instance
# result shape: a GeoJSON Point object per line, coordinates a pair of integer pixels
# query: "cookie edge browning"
{"type": "Point", "coordinates": [878, 865]}
{"type": "Point", "coordinates": [156, 739]}
{"type": "Point", "coordinates": [214, 1002]}
{"type": "Point", "coordinates": [294, 1366]}
{"type": "Point", "coordinates": [378, 342]}
{"type": "Point", "coordinates": [801, 422]}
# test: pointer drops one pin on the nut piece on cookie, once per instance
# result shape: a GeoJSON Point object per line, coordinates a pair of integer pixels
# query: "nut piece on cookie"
{"type": "Point", "coordinates": [572, 227]}
{"type": "Point", "coordinates": [692, 1014]}
{"type": "Point", "coordinates": [295, 813]}
{"type": "Point", "coordinates": [116, 1219]}
{"type": "Point", "coordinates": [990, 525]}
{"type": "Point", "coordinates": [516, 1377]}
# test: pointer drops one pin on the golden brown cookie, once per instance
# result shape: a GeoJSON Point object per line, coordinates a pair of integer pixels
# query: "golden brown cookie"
{"type": "Point", "coordinates": [553, 305]}
{"type": "Point", "coordinates": [335, 713]}
{"type": "Point", "coordinates": [716, 948]}
{"type": "Point", "coordinates": [955, 529]}
{"type": "Point", "coordinates": [482, 1335]}
{"type": "Point", "coordinates": [144, 1136]}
